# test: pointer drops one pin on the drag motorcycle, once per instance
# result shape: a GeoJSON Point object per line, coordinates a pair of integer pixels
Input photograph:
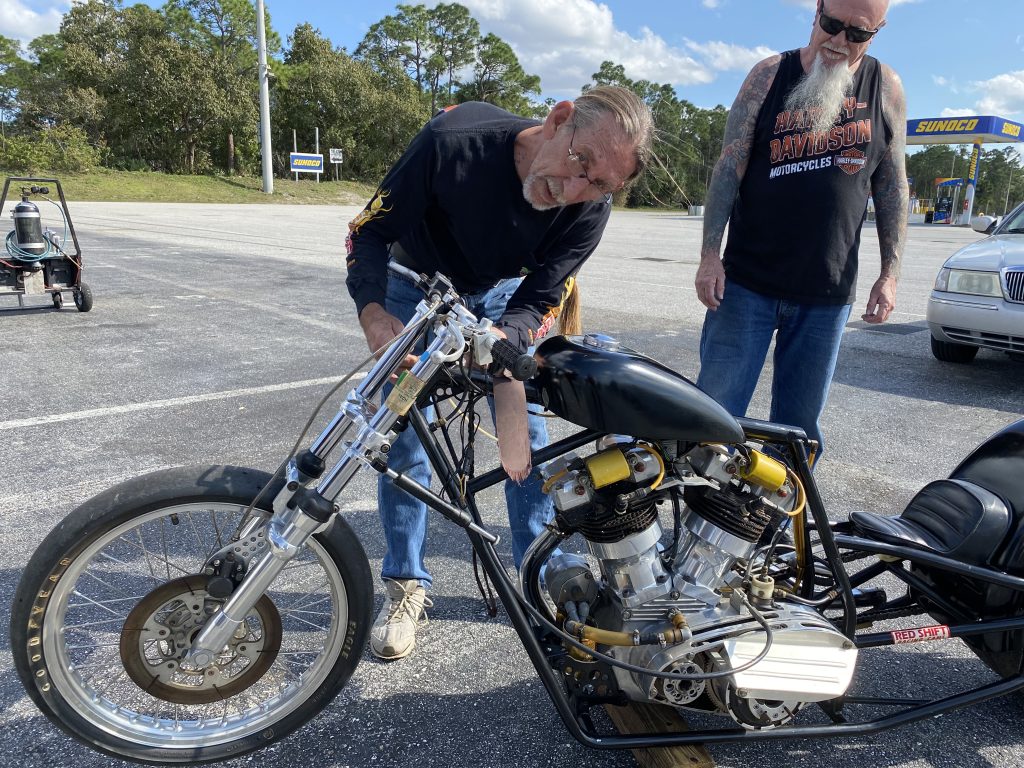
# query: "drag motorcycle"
{"type": "Point", "coordinates": [193, 615]}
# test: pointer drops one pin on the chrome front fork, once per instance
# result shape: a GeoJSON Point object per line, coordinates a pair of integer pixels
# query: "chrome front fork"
{"type": "Point", "coordinates": [300, 510]}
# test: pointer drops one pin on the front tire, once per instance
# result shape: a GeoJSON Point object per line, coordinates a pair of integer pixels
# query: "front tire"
{"type": "Point", "coordinates": [129, 561]}
{"type": "Point", "coordinates": [949, 352]}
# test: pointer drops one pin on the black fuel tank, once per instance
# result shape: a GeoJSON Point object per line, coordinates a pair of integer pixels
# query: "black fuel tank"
{"type": "Point", "coordinates": [592, 382]}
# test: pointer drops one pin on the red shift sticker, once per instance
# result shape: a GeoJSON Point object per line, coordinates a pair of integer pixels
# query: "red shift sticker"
{"type": "Point", "coordinates": [921, 634]}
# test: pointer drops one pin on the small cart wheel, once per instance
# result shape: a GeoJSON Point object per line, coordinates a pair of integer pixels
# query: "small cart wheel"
{"type": "Point", "coordinates": [83, 298]}
{"type": "Point", "coordinates": [58, 299]}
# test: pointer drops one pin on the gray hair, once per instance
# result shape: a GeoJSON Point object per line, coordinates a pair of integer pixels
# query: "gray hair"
{"type": "Point", "coordinates": [628, 111]}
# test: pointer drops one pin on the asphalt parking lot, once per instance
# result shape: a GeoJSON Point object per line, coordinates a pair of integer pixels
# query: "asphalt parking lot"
{"type": "Point", "coordinates": [217, 328]}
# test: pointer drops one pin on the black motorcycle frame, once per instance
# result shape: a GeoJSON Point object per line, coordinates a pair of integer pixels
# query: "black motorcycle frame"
{"type": "Point", "coordinates": [833, 538]}
{"type": "Point", "coordinates": [442, 332]}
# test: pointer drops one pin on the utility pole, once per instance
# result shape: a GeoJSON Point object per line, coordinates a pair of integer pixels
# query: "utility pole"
{"type": "Point", "coordinates": [264, 75]}
{"type": "Point", "coordinates": [1009, 182]}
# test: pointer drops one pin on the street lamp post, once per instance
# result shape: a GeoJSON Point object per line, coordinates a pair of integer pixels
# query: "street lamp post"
{"type": "Point", "coordinates": [264, 75]}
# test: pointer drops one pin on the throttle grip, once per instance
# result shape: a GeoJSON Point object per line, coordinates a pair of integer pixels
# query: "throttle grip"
{"type": "Point", "coordinates": [507, 356]}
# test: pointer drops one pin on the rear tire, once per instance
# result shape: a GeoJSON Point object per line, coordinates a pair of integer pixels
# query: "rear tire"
{"type": "Point", "coordinates": [137, 551]}
{"type": "Point", "coordinates": [949, 352]}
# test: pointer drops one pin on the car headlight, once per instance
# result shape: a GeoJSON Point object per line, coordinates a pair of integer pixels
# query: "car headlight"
{"type": "Point", "coordinates": [969, 282]}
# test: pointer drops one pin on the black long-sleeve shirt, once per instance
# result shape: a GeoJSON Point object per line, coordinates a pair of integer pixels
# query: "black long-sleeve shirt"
{"type": "Point", "coordinates": [454, 203]}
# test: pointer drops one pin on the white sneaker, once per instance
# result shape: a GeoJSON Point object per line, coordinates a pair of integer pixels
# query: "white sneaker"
{"type": "Point", "coordinates": [394, 632]}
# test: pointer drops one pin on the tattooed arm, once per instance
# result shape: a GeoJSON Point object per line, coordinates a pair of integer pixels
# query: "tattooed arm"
{"type": "Point", "coordinates": [725, 181]}
{"type": "Point", "coordinates": [891, 195]}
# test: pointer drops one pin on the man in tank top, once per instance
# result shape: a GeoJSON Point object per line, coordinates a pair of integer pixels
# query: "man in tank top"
{"type": "Point", "coordinates": [811, 134]}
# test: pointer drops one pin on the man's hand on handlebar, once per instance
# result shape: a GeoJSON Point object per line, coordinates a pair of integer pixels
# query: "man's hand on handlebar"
{"type": "Point", "coordinates": [380, 328]}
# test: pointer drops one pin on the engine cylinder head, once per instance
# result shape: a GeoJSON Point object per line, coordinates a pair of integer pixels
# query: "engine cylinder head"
{"type": "Point", "coordinates": [604, 524]}
{"type": "Point", "coordinates": [734, 512]}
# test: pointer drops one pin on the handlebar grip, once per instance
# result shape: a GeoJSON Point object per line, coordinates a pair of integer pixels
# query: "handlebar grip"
{"type": "Point", "coordinates": [507, 356]}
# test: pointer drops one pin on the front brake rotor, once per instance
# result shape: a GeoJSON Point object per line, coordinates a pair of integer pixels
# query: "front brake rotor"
{"type": "Point", "coordinates": [159, 631]}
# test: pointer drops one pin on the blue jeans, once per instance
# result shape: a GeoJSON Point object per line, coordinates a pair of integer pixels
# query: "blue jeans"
{"type": "Point", "coordinates": [735, 341]}
{"type": "Point", "coordinates": [403, 517]}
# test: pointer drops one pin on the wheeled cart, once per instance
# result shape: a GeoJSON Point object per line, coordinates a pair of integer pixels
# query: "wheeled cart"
{"type": "Point", "coordinates": [38, 262]}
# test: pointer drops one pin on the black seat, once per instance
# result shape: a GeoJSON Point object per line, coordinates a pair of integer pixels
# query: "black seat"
{"type": "Point", "coordinates": [952, 518]}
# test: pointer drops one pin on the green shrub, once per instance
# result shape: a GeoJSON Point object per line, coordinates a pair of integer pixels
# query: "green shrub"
{"type": "Point", "coordinates": [63, 148]}
{"type": "Point", "coordinates": [70, 150]}
{"type": "Point", "coordinates": [21, 154]}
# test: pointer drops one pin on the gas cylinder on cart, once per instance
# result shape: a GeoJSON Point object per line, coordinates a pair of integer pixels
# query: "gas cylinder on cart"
{"type": "Point", "coordinates": [28, 227]}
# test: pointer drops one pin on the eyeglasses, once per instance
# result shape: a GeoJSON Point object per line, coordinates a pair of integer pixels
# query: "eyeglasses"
{"type": "Point", "coordinates": [578, 158]}
{"type": "Point", "coordinates": [833, 27]}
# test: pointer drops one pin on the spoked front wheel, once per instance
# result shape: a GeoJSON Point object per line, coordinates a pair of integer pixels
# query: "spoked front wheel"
{"type": "Point", "coordinates": [107, 608]}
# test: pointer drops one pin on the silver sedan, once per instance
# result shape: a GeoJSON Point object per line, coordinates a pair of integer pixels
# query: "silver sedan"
{"type": "Point", "coordinates": [978, 298]}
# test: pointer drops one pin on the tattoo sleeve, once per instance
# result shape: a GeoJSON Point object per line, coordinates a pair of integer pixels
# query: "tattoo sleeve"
{"type": "Point", "coordinates": [889, 183]}
{"type": "Point", "coordinates": [737, 143]}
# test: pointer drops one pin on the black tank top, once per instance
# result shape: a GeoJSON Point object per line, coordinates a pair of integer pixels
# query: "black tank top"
{"type": "Point", "coordinates": [795, 226]}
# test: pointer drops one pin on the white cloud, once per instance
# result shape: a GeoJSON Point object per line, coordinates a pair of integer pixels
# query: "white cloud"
{"type": "Point", "coordinates": [946, 83]}
{"type": "Point", "coordinates": [26, 21]}
{"type": "Point", "coordinates": [726, 56]}
{"type": "Point", "coordinates": [1002, 95]}
{"type": "Point", "coordinates": [711, 3]}
{"type": "Point", "coordinates": [565, 41]}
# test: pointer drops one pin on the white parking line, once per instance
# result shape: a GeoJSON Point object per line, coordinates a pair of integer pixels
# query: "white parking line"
{"type": "Point", "coordinates": [174, 402]}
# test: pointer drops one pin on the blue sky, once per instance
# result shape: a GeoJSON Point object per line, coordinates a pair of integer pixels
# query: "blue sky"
{"type": "Point", "coordinates": [955, 57]}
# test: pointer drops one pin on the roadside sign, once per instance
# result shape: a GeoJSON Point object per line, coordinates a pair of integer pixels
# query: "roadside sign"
{"type": "Point", "coordinates": [305, 162]}
{"type": "Point", "coordinates": [336, 155]}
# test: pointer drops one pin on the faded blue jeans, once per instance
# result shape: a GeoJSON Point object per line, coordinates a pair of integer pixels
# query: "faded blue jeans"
{"type": "Point", "coordinates": [403, 517]}
{"type": "Point", "coordinates": [735, 341]}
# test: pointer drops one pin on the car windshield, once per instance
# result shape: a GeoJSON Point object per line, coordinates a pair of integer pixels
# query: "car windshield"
{"type": "Point", "coordinates": [1014, 223]}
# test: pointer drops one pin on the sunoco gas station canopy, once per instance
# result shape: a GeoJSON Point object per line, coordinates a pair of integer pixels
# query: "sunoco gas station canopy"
{"type": "Point", "coordinates": [986, 129]}
{"type": "Point", "coordinates": [977, 130]}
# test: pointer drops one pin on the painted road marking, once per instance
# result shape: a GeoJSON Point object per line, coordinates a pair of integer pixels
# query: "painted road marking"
{"type": "Point", "coordinates": [174, 402]}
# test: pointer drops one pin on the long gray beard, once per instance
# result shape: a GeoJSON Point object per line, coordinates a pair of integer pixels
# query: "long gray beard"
{"type": "Point", "coordinates": [821, 92]}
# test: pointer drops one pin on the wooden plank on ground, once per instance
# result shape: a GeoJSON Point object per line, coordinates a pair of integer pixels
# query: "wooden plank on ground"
{"type": "Point", "coordinates": [654, 718]}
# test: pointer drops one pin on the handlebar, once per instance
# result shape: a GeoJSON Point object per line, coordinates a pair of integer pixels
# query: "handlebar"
{"type": "Point", "coordinates": [507, 356]}
{"type": "Point", "coordinates": [503, 352]}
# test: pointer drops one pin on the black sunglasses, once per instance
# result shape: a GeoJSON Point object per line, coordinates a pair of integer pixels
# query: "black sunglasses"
{"type": "Point", "coordinates": [833, 27]}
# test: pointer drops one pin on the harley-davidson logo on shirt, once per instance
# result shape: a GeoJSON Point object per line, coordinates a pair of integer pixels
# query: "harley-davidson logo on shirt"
{"type": "Point", "coordinates": [850, 161]}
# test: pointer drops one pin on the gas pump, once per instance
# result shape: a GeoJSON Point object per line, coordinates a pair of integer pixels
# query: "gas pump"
{"type": "Point", "coordinates": [947, 197]}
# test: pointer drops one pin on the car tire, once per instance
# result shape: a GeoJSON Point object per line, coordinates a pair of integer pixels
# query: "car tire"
{"type": "Point", "coordinates": [948, 352]}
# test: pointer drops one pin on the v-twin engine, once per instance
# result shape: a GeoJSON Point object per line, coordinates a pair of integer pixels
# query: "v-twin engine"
{"type": "Point", "coordinates": [693, 617]}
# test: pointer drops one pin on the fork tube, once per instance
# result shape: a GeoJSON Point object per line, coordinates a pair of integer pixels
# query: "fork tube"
{"type": "Point", "coordinates": [341, 424]}
{"type": "Point", "coordinates": [383, 421]}
{"type": "Point", "coordinates": [290, 529]}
